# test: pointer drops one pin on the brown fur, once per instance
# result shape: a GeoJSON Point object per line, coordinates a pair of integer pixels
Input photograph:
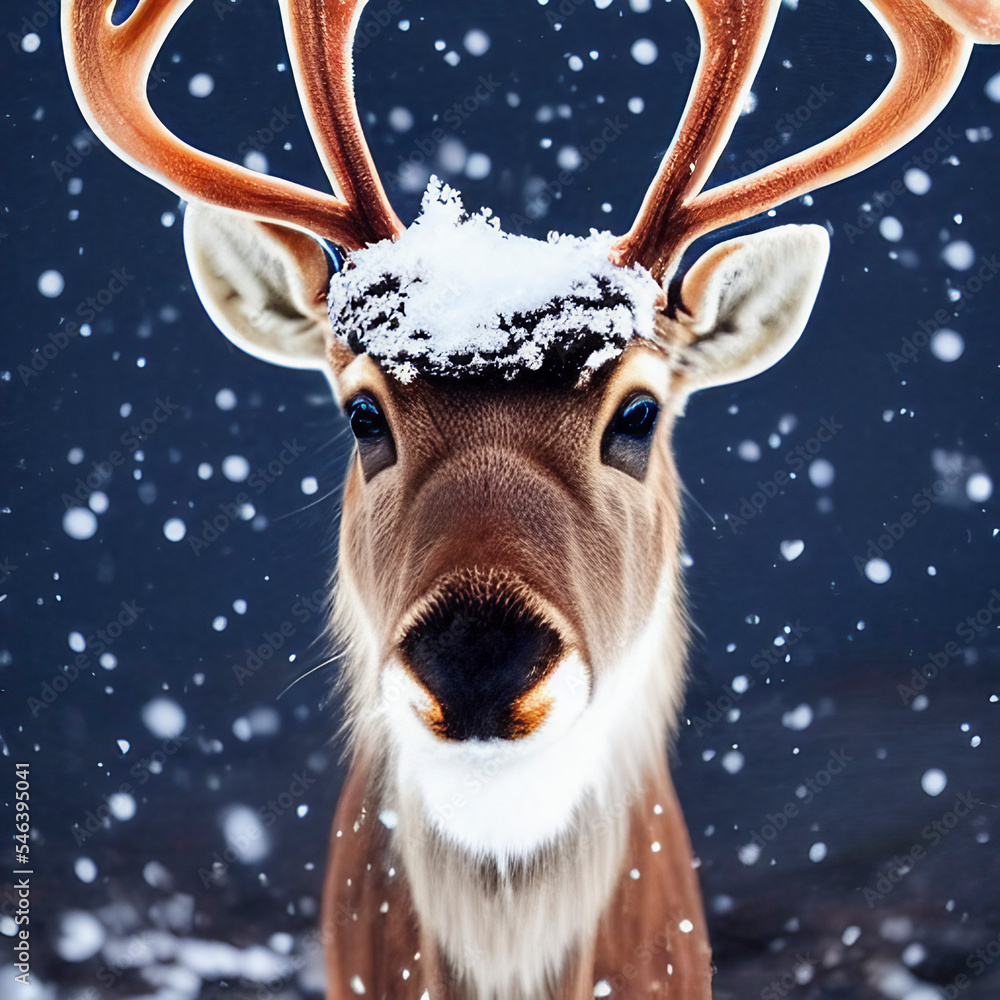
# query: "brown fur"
{"type": "Point", "coordinates": [503, 485]}
{"type": "Point", "coordinates": [637, 948]}
{"type": "Point", "coordinates": [499, 479]}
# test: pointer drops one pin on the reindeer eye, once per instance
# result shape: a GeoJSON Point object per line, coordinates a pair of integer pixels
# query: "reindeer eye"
{"type": "Point", "coordinates": [636, 417]}
{"type": "Point", "coordinates": [628, 440]}
{"type": "Point", "coordinates": [376, 449]}
{"type": "Point", "coordinates": [367, 419]}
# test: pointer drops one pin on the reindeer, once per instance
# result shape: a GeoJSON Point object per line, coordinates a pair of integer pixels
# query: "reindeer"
{"type": "Point", "coordinates": [509, 589]}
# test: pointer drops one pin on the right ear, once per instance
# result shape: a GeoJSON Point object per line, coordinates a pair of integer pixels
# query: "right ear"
{"type": "Point", "coordinates": [263, 285]}
{"type": "Point", "coordinates": [746, 301]}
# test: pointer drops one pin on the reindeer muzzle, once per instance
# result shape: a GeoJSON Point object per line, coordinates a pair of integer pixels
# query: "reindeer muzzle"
{"type": "Point", "coordinates": [483, 662]}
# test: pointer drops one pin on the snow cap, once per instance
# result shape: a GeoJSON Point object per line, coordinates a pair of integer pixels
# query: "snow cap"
{"type": "Point", "coordinates": [456, 296]}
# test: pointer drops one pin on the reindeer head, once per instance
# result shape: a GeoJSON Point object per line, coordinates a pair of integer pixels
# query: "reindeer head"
{"type": "Point", "coordinates": [509, 581]}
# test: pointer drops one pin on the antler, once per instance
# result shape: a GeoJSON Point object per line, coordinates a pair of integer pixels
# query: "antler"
{"type": "Point", "coordinates": [320, 37]}
{"type": "Point", "coordinates": [931, 56]}
{"type": "Point", "coordinates": [110, 64]}
{"type": "Point", "coordinates": [734, 35]}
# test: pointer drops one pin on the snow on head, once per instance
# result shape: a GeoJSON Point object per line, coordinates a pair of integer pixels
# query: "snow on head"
{"type": "Point", "coordinates": [454, 295]}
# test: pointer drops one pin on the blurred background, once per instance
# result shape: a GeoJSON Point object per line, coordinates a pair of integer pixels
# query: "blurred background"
{"type": "Point", "coordinates": [168, 505]}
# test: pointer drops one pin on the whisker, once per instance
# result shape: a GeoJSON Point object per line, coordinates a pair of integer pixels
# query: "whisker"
{"type": "Point", "coordinates": [311, 670]}
{"type": "Point", "coordinates": [698, 504]}
{"type": "Point", "coordinates": [312, 503]}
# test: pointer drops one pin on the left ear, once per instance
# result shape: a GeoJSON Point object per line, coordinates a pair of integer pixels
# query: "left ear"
{"type": "Point", "coordinates": [263, 284]}
{"type": "Point", "coordinates": [747, 301]}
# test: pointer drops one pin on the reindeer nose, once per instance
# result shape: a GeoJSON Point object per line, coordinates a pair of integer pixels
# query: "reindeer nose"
{"type": "Point", "coordinates": [483, 663]}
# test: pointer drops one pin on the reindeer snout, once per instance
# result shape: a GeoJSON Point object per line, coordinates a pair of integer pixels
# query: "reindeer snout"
{"type": "Point", "coordinates": [483, 662]}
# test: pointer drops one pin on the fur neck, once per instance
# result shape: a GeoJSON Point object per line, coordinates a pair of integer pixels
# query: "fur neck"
{"type": "Point", "coordinates": [523, 872]}
{"type": "Point", "coordinates": [648, 939]}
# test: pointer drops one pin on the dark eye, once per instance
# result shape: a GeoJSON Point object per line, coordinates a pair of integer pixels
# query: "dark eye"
{"type": "Point", "coordinates": [376, 449]}
{"type": "Point", "coordinates": [636, 417]}
{"type": "Point", "coordinates": [628, 440]}
{"type": "Point", "coordinates": [367, 419]}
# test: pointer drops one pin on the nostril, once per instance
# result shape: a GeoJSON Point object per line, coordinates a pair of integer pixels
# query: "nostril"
{"type": "Point", "coordinates": [478, 658]}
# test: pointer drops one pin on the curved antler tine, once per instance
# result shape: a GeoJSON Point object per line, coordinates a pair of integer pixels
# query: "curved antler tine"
{"type": "Point", "coordinates": [320, 36]}
{"type": "Point", "coordinates": [108, 68]}
{"type": "Point", "coordinates": [931, 57]}
{"type": "Point", "coordinates": [734, 35]}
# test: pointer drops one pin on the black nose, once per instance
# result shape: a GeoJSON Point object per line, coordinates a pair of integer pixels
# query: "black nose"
{"type": "Point", "coordinates": [478, 657]}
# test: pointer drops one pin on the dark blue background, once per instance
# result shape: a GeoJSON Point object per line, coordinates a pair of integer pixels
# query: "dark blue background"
{"type": "Point", "coordinates": [761, 915]}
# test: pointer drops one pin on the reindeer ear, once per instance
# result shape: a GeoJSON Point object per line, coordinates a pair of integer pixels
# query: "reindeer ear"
{"type": "Point", "coordinates": [747, 302]}
{"type": "Point", "coordinates": [263, 285]}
